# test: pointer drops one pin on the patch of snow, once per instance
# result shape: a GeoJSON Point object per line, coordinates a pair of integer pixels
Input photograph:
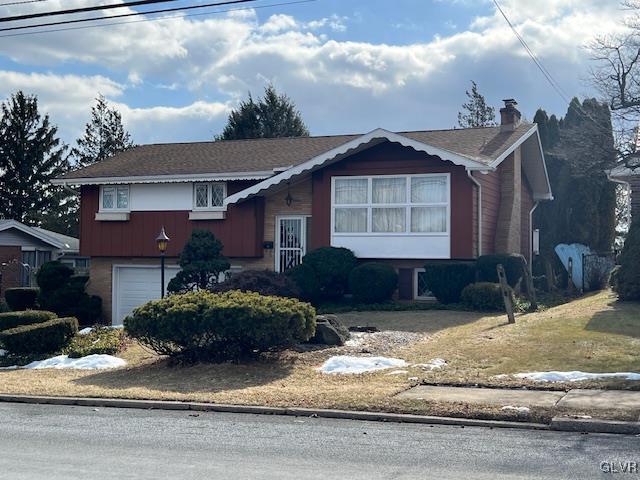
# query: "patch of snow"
{"type": "Point", "coordinates": [575, 376]}
{"type": "Point", "coordinates": [12, 367]}
{"type": "Point", "coordinates": [85, 331]}
{"type": "Point", "coordinates": [342, 364]}
{"type": "Point", "coordinates": [398, 372]}
{"type": "Point", "coordinates": [90, 362]}
{"type": "Point", "coordinates": [356, 339]}
{"type": "Point", "coordinates": [515, 409]}
{"type": "Point", "coordinates": [435, 364]}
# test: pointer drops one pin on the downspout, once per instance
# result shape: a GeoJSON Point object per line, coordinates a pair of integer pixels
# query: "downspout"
{"type": "Point", "coordinates": [535, 205]}
{"type": "Point", "coordinates": [479, 185]}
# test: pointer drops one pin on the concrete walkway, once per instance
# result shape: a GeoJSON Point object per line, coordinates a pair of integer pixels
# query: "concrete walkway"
{"type": "Point", "coordinates": [578, 399]}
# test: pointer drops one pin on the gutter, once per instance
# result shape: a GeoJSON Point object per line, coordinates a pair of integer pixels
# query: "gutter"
{"type": "Point", "coordinates": [479, 185]}
{"type": "Point", "coordinates": [535, 205]}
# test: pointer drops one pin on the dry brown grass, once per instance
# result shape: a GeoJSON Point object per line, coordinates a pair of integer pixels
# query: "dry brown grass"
{"type": "Point", "coordinates": [593, 333]}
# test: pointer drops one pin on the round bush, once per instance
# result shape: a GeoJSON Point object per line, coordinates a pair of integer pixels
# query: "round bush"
{"type": "Point", "coordinates": [46, 337]}
{"type": "Point", "coordinates": [306, 281]}
{"type": "Point", "coordinates": [205, 326]}
{"type": "Point", "coordinates": [332, 267]}
{"type": "Point", "coordinates": [52, 275]}
{"type": "Point", "coordinates": [21, 298]}
{"type": "Point", "coordinates": [27, 317]}
{"type": "Point", "coordinates": [483, 296]}
{"type": "Point", "coordinates": [264, 282]}
{"type": "Point", "coordinates": [446, 280]}
{"type": "Point", "coordinates": [515, 267]}
{"type": "Point", "coordinates": [373, 282]}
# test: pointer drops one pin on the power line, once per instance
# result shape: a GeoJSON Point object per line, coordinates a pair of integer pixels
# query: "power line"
{"type": "Point", "coordinates": [52, 13]}
{"type": "Point", "coordinates": [556, 86]}
{"type": "Point", "coordinates": [21, 3]}
{"type": "Point", "coordinates": [133, 14]}
{"type": "Point", "coordinates": [174, 17]}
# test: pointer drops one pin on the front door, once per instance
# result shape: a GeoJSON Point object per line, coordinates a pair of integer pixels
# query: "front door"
{"type": "Point", "coordinates": [291, 242]}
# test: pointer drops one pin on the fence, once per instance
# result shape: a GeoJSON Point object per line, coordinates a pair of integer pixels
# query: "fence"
{"type": "Point", "coordinates": [596, 268]}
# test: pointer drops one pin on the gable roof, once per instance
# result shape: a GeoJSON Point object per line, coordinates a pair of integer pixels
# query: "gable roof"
{"type": "Point", "coordinates": [56, 240]}
{"type": "Point", "coordinates": [262, 158]}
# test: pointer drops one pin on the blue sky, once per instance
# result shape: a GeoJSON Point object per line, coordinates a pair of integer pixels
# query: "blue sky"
{"type": "Point", "coordinates": [350, 65]}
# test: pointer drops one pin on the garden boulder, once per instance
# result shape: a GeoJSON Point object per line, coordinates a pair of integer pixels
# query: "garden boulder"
{"type": "Point", "coordinates": [329, 331]}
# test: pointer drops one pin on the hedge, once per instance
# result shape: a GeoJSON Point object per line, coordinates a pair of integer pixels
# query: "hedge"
{"type": "Point", "coordinates": [107, 341]}
{"type": "Point", "coordinates": [332, 267]}
{"type": "Point", "coordinates": [205, 326]}
{"type": "Point", "coordinates": [373, 282]}
{"type": "Point", "coordinates": [515, 267]}
{"type": "Point", "coordinates": [264, 282]}
{"type": "Point", "coordinates": [446, 280]}
{"type": "Point", "coordinates": [626, 277]}
{"type": "Point", "coordinates": [26, 317]}
{"type": "Point", "coordinates": [46, 337]}
{"type": "Point", "coordinates": [306, 280]}
{"type": "Point", "coordinates": [21, 298]}
{"type": "Point", "coordinates": [483, 296]}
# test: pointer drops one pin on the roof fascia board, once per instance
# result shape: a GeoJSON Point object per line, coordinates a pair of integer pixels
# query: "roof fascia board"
{"type": "Point", "coordinates": [515, 145]}
{"type": "Point", "coordinates": [344, 149]}
{"type": "Point", "coordinates": [211, 177]}
{"type": "Point", "coordinates": [34, 233]}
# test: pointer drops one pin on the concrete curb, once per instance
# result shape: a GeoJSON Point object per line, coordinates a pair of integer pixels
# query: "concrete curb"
{"type": "Point", "coordinates": [594, 425]}
{"type": "Point", "coordinates": [296, 412]}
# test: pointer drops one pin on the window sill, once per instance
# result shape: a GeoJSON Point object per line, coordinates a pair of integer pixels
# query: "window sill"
{"type": "Point", "coordinates": [208, 215]}
{"type": "Point", "coordinates": [112, 216]}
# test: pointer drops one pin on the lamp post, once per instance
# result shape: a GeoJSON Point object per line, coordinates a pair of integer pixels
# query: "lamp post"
{"type": "Point", "coordinates": [162, 241]}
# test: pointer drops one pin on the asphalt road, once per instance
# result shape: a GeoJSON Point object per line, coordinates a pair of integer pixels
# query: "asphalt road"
{"type": "Point", "coordinates": [58, 442]}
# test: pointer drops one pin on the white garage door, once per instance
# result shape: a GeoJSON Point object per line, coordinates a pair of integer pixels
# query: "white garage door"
{"type": "Point", "coordinates": [135, 286]}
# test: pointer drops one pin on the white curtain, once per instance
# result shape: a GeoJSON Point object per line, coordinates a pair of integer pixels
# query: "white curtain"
{"type": "Point", "coordinates": [428, 189]}
{"type": "Point", "coordinates": [350, 220]}
{"type": "Point", "coordinates": [351, 191]}
{"type": "Point", "coordinates": [389, 190]}
{"type": "Point", "coordinates": [388, 219]}
{"type": "Point", "coordinates": [429, 219]}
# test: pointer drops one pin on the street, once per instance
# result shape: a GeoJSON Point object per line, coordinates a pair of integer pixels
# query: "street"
{"type": "Point", "coordinates": [65, 443]}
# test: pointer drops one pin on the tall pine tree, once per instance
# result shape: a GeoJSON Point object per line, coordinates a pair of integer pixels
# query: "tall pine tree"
{"type": "Point", "coordinates": [104, 135]}
{"type": "Point", "coordinates": [31, 155]}
{"type": "Point", "coordinates": [274, 115]}
{"type": "Point", "coordinates": [476, 112]}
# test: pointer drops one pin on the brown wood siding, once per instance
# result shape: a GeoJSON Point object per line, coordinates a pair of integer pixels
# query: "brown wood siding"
{"type": "Point", "coordinates": [525, 218]}
{"type": "Point", "coordinates": [241, 232]}
{"type": "Point", "coordinates": [11, 273]}
{"type": "Point", "coordinates": [490, 206]}
{"type": "Point", "coordinates": [391, 159]}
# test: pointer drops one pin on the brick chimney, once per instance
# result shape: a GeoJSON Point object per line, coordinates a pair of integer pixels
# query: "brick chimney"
{"type": "Point", "coordinates": [509, 116]}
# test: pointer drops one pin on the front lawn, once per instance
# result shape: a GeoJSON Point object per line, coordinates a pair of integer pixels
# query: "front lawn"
{"type": "Point", "coordinates": [594, 333]}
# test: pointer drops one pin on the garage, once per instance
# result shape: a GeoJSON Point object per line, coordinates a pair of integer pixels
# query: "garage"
{"type": "Point", "coordinates": [136, 285]}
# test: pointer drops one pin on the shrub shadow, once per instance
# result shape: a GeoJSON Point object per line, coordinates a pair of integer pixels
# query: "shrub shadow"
{"type": "Point", "coordinates": [622, 318]}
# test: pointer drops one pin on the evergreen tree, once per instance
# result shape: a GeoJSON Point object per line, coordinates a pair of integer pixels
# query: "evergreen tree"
{"type": "Point", "coordinates": [104, 135]}
{"type": "Point", "coordinates": [271, 116]}
{"type": "Point", "coordinates": [476, 112]}
{"type": "Point", "coordinates": [31, 155]}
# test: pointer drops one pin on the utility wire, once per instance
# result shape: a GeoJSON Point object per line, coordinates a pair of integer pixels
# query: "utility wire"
{"type": "Point", "coordinates": [133, 14]}
{"type": "Point", "coordinates": [556, 86]}
{"type": "Point", "coordinates": [21, 3]}
{"type": "Point", "coordinates": [173, 17]}
{"type": "Point", "coordinates": [52, 13]}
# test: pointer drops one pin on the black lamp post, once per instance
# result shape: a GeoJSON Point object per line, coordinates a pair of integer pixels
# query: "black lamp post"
{"type": "Point", "coordinates": [162, 241]}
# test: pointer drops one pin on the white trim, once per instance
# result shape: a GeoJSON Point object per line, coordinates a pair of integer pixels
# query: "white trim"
{"type": "Point", "coordinates": [345, 149]}
{"type": "Point", "coordinates": [531, 252]}
{"type": "Point", "coordinates": [112, 216]}
{"type": "Point", "coordinates": [179, 178]}
{"type": "Point", "coordinates": [207, 215]}
{"type": "Point", "coordinates": [415, 285]}
{"type": "Point", "coordinates": [513, 146]}
{"type": "Point", "coordinates": [407, 205]}
{"type": "Point", "coordinates": [303, 235]}
{"type": "Point", "coordinates": [115, 208]}
{"type": "Point", "coordinates": [8, 224]}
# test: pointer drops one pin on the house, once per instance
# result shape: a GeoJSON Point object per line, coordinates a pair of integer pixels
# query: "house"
{"type": "Point", "coordinates": [23, 249]}
{"type": "Point", "coordinates": [400, 198]}
{"type": "Point", "coordinates": [631, 177]}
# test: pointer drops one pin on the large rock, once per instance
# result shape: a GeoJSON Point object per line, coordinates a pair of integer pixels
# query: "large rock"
{"type": "Point", "coordinates": [329, 331]}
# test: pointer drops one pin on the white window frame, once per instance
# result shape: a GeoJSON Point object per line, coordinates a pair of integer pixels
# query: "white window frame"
{"type": "Point", "coordinates": [406, 205]}
{"type": "Point", "coordinates": [416, 296]}
{"type": "Point", "coordinates": [209, 207]}
{"type": "Point", "coordinates": [115, 199]}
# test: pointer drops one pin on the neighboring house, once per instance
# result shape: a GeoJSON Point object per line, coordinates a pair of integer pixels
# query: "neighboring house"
{"type": "Point", "coordinates": [24, 249]}
{"type": "Point", "coordinates": [401, 198]}
{"type": "Point", "coordinates": [630, 177]}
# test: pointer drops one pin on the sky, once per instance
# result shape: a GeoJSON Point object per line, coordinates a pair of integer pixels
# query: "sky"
{"type": "Point", "coordinates": [350, 66]}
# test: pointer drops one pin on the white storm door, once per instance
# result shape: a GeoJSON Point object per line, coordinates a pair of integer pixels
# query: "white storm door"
{"type": "Point", "coordinates": [291, 242]}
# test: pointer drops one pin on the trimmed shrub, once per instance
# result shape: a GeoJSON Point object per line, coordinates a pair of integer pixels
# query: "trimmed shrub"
{"type": "Point", "coordinates": [52, 275]}
{"type": "Point", "coordinates": [205, 326]}
{"type": "Point", "coordinates": [107, 341]}
{"type": "Point", "coordinates": [483, 296]}
{"type": "Point", "coordinates": [26, 317]}
{"type": "Point", "coordinates": [306, 281]}
{"type": "Point", "coordinates": [514, 265]}
{"type": "Point", "coordinates": [332, 267]}
{"type": "Point", "coordinates": [373, 282]}
{"type": "Point", "coordinates": [3, 306]}
{"type": "Point", "coordinates": [21, 298]}
{"type": "Point", "coordinates": [446, 280]}
{"type": "Point", "coordinates": [47, 337]}
{"type": "Point", "coordinates": [626, 278]}
{"type": "Point", "coordinates": [264, 282]}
